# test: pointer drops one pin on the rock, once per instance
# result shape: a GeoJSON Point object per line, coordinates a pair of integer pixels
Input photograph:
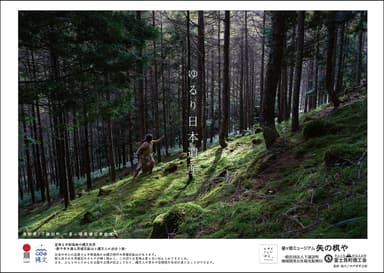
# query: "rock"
{"type": "Point", "coordinates": [256, 141]}
{"type": "Point", "coordinates": [172, 222]}
{"type": "Point", "coordinates": [171, 168]}
{"type": "Point", "coordinates": [87, 218]}
{"type": "Point", "coordinates": [258, 130]}
{"type": "Point", "coordinates": [104, 192]}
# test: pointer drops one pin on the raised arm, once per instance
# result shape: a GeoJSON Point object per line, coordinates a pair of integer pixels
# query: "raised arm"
{"type": "Point", "coordinates": [157, 140]}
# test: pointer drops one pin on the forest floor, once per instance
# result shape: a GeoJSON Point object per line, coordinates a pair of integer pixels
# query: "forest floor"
{"type": "Point", "coordinates": [311, 184]}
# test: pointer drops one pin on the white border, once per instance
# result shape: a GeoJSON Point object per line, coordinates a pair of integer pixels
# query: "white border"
{"type": "Point", "coordinates": [232, 255]}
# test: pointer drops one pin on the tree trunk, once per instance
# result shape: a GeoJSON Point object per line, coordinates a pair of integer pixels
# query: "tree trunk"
{"type": "Point", "coordinates": [185, 94]}
{"type": "Point", "coordinates": [140, 83]}
{"type": "Point", "coordinates": [219, 66]}
{"type": "Point", "coordinates": [359, 57]}
{"type": "Point", "coordinates": [316, 73]}
{"type": "Point", "coordinates": [247, 91]}
{"type": "Point", "coordinates": [36, 157]}
{"type": "Point", "coordinates": [87, 163]}
{"type": "Point", "coordinates": [156, 93]}
{"type": "Point", "coordinates": [272, 78]}
{"type": "Point", "coordinates": [163, 92]}
{"type": "Point", "coordinates": [201, 82]}
{"type": "Point", "coordinates": [28, 163]}
{"type": "Point", "coordinates": [111, 150]}
{"type": "Point", "coordinates": [76, 146]}
{"type": "Point", "coordinates": [225, 115]}
{"type": "Point", "coordinates": [241, 91]}
{"type": "Point", "coordinates": [60, 144]}
{"type": "Point", "coordinates": [71, 187]}
{"type": "Point", "coordinates": [262, 67]}
{"type": "Point", "coordinates": [212, 129]}
{"type": "Point", "coordinates": [331, 30]}
{"type": "Point", "coordinates": [43, 159]}
{"type": "Point", "coordinates": [298, 67]}
{"type": "Point", "coordinates": [339, 73]}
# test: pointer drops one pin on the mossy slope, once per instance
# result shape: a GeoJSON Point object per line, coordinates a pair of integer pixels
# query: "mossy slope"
{"type": "Point", "coordinates": [311, 186]}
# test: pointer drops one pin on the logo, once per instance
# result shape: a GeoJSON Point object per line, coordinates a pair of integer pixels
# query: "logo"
{"type": "Point", "coordinates": [41, 255]}
{"type": "Point", "coordinates": [27, 254]}
{"type": "Point", "coordinates": [328, 258]}
{"type": "Point", "coordinates": [268, 254]}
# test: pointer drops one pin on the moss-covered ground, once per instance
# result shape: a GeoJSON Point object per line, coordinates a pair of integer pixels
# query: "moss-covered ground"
{"type": "Point", "coordinates": [311, 185]}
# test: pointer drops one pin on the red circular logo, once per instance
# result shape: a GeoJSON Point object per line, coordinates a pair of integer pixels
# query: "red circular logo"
{"type": "Point", "coordinates": [26, 247]}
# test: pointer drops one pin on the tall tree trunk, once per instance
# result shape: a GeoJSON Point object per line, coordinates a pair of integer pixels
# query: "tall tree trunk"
{"type": "Point", "coordinates": [76, 145]}
{"type": "Point", "coordinates": [60, 144]}
{"type": "Point", "coordinates": [111, 150]}
{"type": "Point", "coordinates": [71, 187]}
{"type": "Point", "coordinates": [131, 156]}
{"type": "Point", "coordinates": [241, 91]}
{"type": "Point", "coordinates": [223, 135]}
{"type": "Point", "coordinates": [87, 163]}
{"type": "Point", "coordinates": [185, 93]}
{"type": "Point", "coordinates": [201, 83]}
{"type": "Point", "coordinates": [41, 177]}
{"type": "Point", "coordinates": [163, 92]}
{"type": "Point", "coordinates": [247, 92]}
{"type": "Point", "coordinates": [339, 73]}
{"type": "Point", "coordinates": [219, 65]}
{"type": "Point", "coordinates": [316, 73]}
{"type": "Point", "coordinates": [43, 159]}
{"type": "Point", "coordinates": [36, 157]}
{"type": "Point", "coordinates": [156, 92]}
{"type": "Point", "coordinates": [359, 55]}
{"type": "Point", "coordinates": [331, 31]}
{"type": "Point", "coordinates": [284, 87]}
{"type": "Point", "coordinates": [140, 83]}
{"type": "Point", "coordinates": [212, 129]}
{"type": "Point", "coordinates": [298, 67]}
{"type": "Point", "coordinates": [262, 67]}
{"type": "Point", "coordinates": [28, 162]}
{"type": "Point", "coordinates": [272, 78]}
{"type": "Point", "coordinates": [291, 74]}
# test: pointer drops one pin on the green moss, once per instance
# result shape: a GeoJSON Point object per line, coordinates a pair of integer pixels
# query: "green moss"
{"type": "Point", "coordinates": [180, 218]}
{"type": "Point", "coordinates": [342, 154]}
{"type": "Point", "coordinates": [317, 128]}
{"type": "Point", "coordinates": [230, 196]}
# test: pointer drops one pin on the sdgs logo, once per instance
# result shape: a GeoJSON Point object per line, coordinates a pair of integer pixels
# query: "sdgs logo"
{"type": "Point", "coordinates": [41, 255]}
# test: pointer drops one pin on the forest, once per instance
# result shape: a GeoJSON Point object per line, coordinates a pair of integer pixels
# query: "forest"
{"type": "Point", "coordinates": [258, 121]}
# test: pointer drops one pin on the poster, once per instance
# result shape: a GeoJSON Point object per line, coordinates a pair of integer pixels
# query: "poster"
{"type": "Point", "coordinates": [191, 136]}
